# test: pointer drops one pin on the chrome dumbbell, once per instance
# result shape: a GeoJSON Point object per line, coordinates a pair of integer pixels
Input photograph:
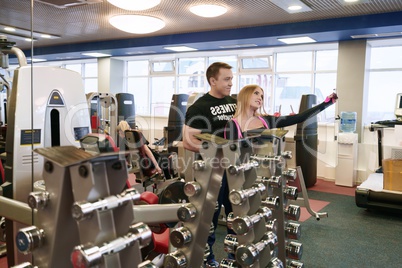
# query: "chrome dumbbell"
{"type": "Point", "coordinates": [291, 192]}
{"type": "Point", "coordinates": [180, 237]}
{"type": "Point", "coordinates": [293, 230]}
{"type": "Point", "coordinates": [84, 209]}
{"type": "Point", "coordinates": [186, 212]}
{"type": "Point", "coordinates": [294, 264]}
{"type": "Point", "coordinates": [272, 182]}
{"type": "Point", "coordinates": [292, 212]}
{"type": "Point", "coordinates": [230, 243]}
{"type": "Point", "coordinates": [88, 256]}
{"type": "Point", "coordinates": [242, 225]}
{"type": "Point", "coordinates": [38, 200]}
{"type": "Point", "coordinates": [294, 250]}
{"type": "Point", "coordinates": [272, 202]}
{"type": "Point", "coordinates": [289, 174]}
{"type": "Point", "coordinates": [272, 225]}
{"type": "Point", "coordinates": [287, 154]}
{"type": "Point", "coordinates": [275, 263]}
{"type": "Point", "coordinates": [235, 170]}
{"type": "Point", "coordinates": [246, 255]}
{"type": "Point", "coordinates": [29, 238]}
{"type": "Point", "coordinates": [229, 220]}
{"type": "Point", "coordinates": [192, 188]}
{"type": "Point", "coordinates": [270, 162]}
{"type": "Point", "coordinates": [175, 259]}
{"type": "Point", "coordinates": [237, 197]}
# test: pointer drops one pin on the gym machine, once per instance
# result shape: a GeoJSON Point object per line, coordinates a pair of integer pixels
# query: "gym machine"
{"type": "Point", "coordinates": [103, 108]}
{"type": "Point", "coordinates": [45, 107]}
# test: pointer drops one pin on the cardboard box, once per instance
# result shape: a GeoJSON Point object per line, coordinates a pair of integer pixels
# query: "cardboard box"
{"type": "Point", "coordinates": [392, 169]}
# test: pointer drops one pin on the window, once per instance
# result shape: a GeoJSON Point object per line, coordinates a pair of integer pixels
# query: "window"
{"type": "Point", "coordinates": [162, 90]}
{"type": "Point", "coordinates": [300, 73]}
{"type": "Point", "coordinates": [294, 61]}
{"type": "Point", "coordinates": [191, 75]}
{"type": "Point", "coordinates": [255, 63]}
{"type": "Point", "coordinates": [385, 82]}
{"type": "Point", "coordinates": [162, 67]}
{"type": "Point", "coordinates": [138, 86]}
{"type": "Point", "coordinates": [137, 68]}
{"type": "Point", "coordinates": [89, 73]}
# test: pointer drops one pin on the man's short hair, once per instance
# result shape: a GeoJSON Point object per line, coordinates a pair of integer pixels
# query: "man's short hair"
{"type": "Point", "coordinates": [213, 69]}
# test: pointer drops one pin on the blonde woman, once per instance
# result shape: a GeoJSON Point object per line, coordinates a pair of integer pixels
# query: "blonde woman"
{"type": "Point", "coordinates": [124, 126]}
{"type": "Point", "coordinates": [250, 113]}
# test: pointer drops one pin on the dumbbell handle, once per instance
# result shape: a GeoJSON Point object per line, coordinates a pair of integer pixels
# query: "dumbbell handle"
{"type": "Point", "coordinates": [237, 197]}
{"type": "Point", "coordinates": [84, 209]}
{"type": "Point", "coordinates": [234, 170]}
{"type": "Point", "coordinates": [89, 256]}
{"type": "Point", "coordinates": [247, 254]}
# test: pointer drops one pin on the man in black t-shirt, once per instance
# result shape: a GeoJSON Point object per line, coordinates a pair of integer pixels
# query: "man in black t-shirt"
{"type": "Point", "coordinates": [209, 114]}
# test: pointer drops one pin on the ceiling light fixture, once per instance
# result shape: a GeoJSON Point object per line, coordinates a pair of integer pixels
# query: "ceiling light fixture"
{"type": "Point", "coordinates": [292, 6]}
{"type": "Point", "coordinates": [135, 4]}
{"type": "Point", "coordinates": [6, 29]}
{"type": "Point", "coordinates": [137, 24]}
{"type": "Point", "coordinates": [238, 46]}
{"type": "Point", "coordinates": [96, 54]}
{"type": "Point", "coordinates": [389, 34]}
{"type": "Point", "coordinates": [352, 2]}
{"type": "Point", "coordinates": [13, 36]}
{"type": "Point", "coordinates": [36, 60]}
{"type": "Point", "coordinates": [180, 48]}
{"type": "Point", "coordinates": [208, 11]}
{"type": "Point", "coordinates": [9, 29]}
{"type": "Point", "coordinates": [297, 40]}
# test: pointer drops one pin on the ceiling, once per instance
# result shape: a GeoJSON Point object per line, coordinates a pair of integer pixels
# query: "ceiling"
{"type": "Point", "coordinates": [84, 25]}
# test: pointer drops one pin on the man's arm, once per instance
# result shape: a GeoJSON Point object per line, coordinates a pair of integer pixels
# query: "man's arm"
{"type": "Point", "coordinates": [189, 141]}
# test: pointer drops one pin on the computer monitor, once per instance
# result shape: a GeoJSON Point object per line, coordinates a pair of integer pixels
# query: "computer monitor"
{"type": "Point", "coordinates": [398, 106]}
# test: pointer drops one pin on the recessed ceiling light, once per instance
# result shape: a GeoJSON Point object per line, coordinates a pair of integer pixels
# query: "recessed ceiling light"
{"type": "Point", "coordinates": [141, 52]}
{"type": "Point", "coordinates": [180, 48]}
{"type": "Point", "coordinates": [25, 32]}
{"type": "Point", "coordinates": [292, 6]}
{"type": "Point", "coordinates": [96, 54]}
{"type": "Point", "coordinates": [137, 24]}
{"type": "Point", "coordinates": [389, 34]}
{"type": "Point", "coordinates": [135, 4]}
{"type": "Point", "coordinates": [238, 46]}
{"type": "Point", "coordinates": [297, 40]}
{"type": "Point", "coordinates": [352, 2]}
{"type": "Point", "coordinates": [208, 11]}
{"type": "Point", "coordinates": [36, 59]}
{"type": "Point", "coordinates": [295, 7]}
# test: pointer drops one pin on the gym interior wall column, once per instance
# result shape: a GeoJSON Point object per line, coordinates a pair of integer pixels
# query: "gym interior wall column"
{"type": "Point", "coordinates": [352, 79]}
{"type": "Point", "coordinates": [110, 75]}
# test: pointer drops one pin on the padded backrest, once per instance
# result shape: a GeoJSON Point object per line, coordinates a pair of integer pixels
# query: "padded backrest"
{"type": "Point", "coordinates": [98, 143]}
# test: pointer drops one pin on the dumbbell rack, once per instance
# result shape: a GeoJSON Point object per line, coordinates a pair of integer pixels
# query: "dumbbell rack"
{"type": "Point", "coordinates": [260, 213]}
{"type": "Point", "coordinates": [84, 218]}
